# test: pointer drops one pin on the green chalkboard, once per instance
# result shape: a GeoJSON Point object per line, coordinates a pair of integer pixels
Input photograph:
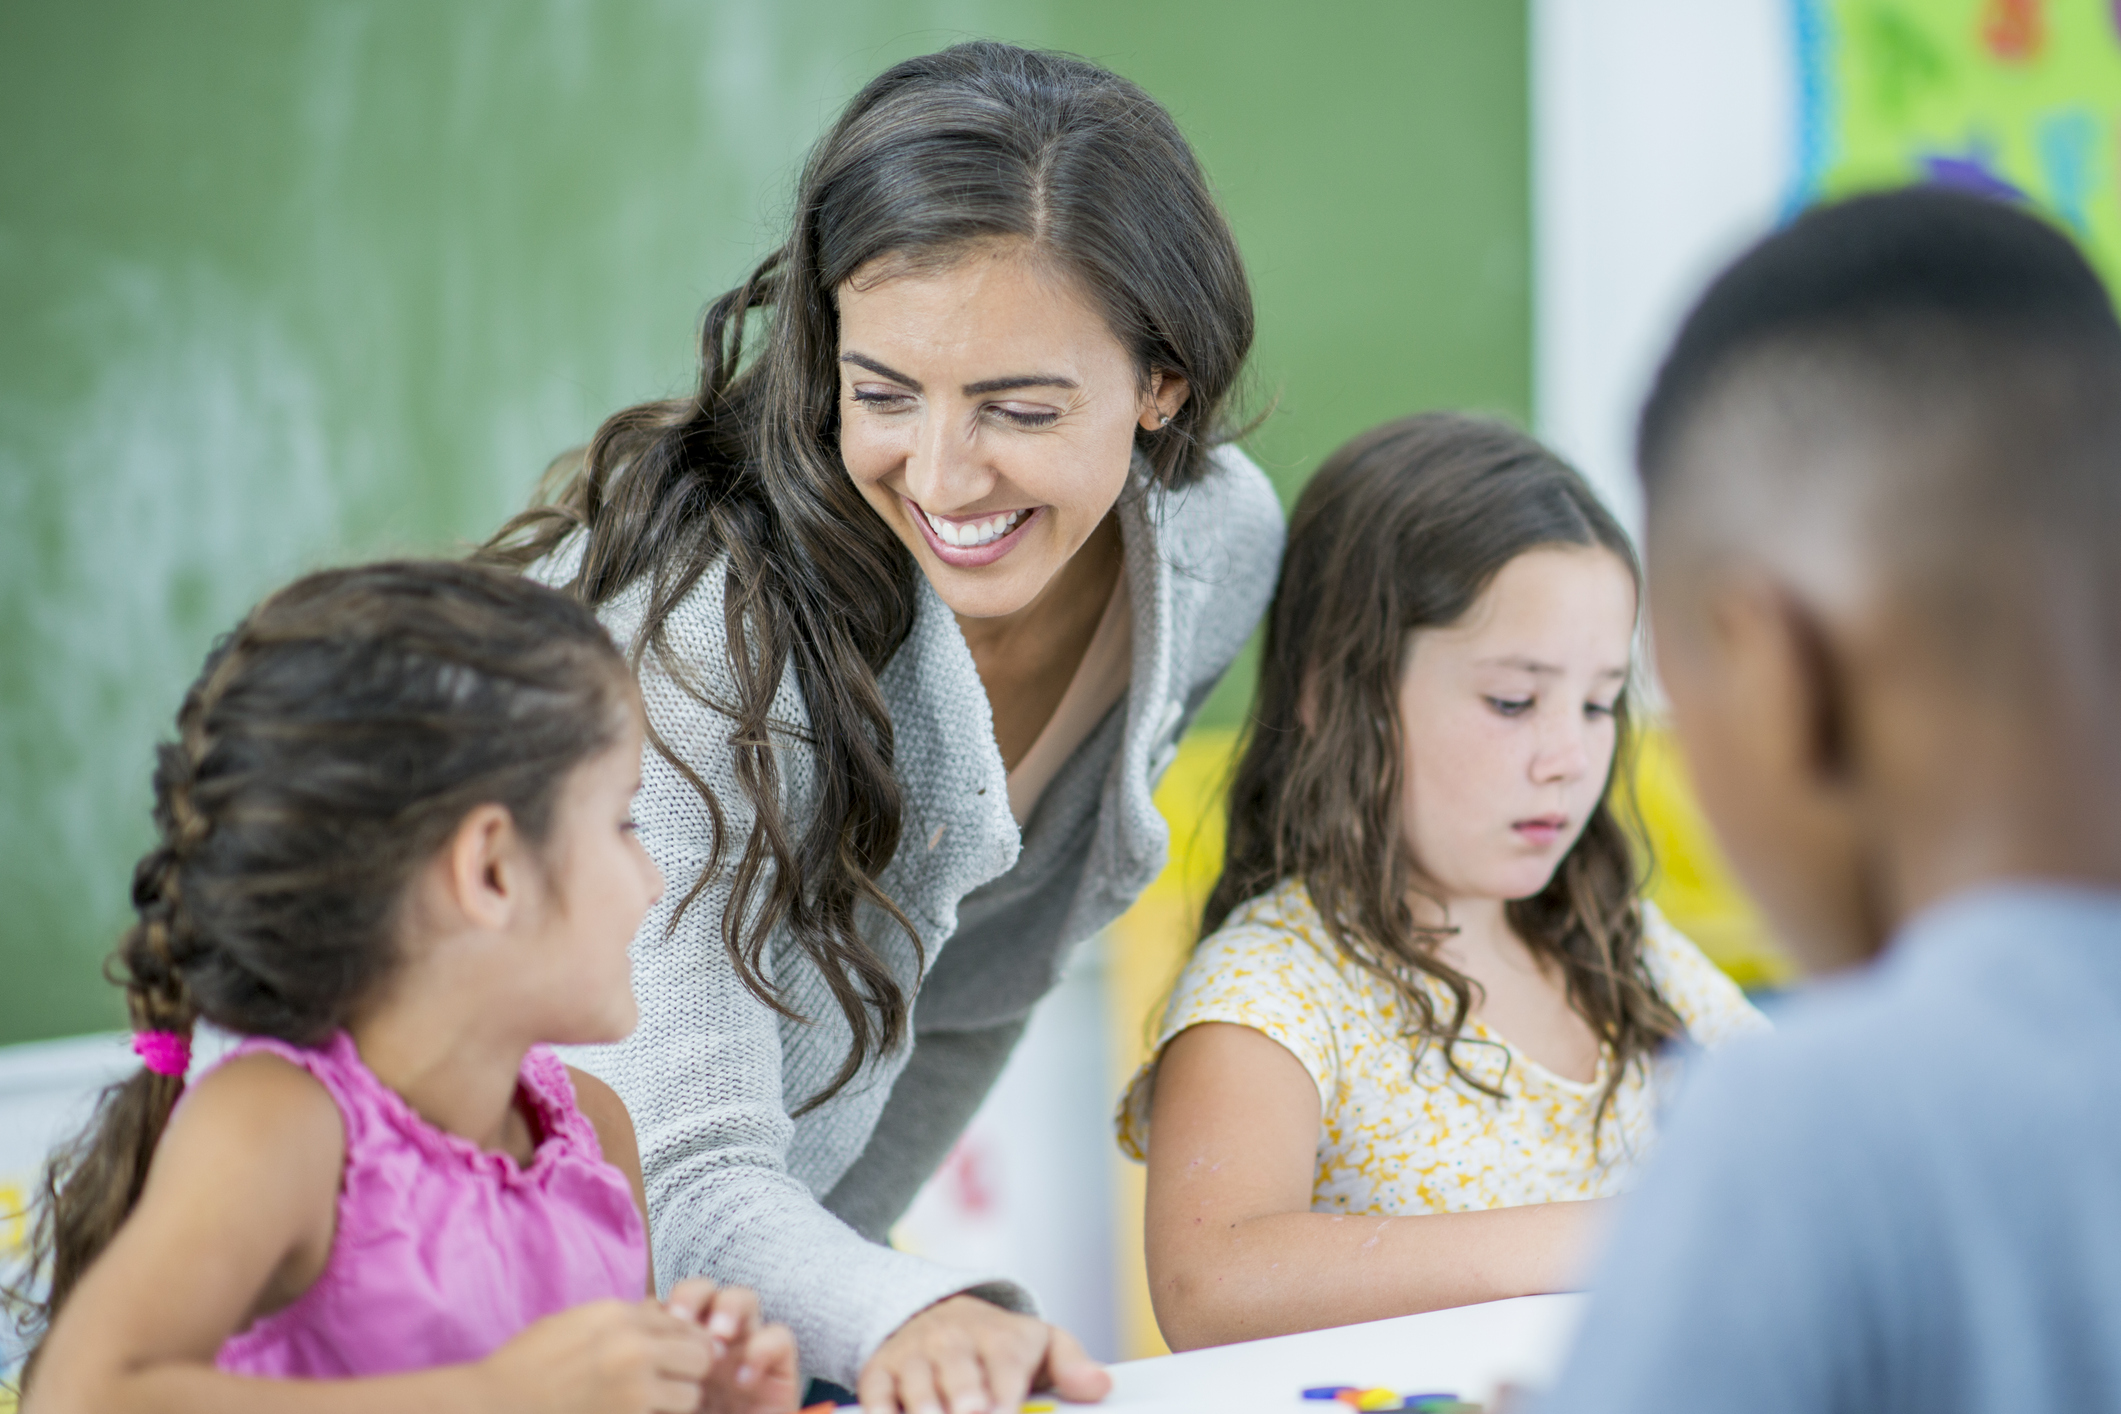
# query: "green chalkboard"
{"type": "Point", "coordinates": [286, 282]}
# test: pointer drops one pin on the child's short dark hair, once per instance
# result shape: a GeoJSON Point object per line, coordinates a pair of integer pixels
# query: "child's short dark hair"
{"type": "Point", "coordinates": [1937, 374]}
{"type": "Point", "coordinates": [1890, 282]}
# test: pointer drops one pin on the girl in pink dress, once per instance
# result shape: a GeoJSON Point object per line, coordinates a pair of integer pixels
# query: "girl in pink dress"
{"type": "Point", "coordinates": [396, 860]}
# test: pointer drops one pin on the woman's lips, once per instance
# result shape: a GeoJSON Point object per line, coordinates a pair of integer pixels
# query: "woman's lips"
{"type": "Point", "coordinates": [971, 557]}
{"type": "Point", "coordinates": [1541, 829]}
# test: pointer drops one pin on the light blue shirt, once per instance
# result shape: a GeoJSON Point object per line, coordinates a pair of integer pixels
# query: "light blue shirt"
{"type": "Point", "coordinates": [1908, 1199]}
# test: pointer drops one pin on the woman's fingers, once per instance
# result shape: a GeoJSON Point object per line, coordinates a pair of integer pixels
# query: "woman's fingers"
{"type": "Point", "coordinates": [1070, 1372]}
{"type": "Point", "coordinates": [961, 1379]}
{"type": "Point", "coordinates": [912, 1389]}
{"type": "Point", "coordinates": [877, 1388]}
{"type": "Point", "coordinates": [967, 1356]}
{"type": "Point", "coordinates": [1012, 1350]}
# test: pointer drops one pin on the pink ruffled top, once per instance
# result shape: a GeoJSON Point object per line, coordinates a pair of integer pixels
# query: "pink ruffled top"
{"type": "Point", "coordinates": [444, 1251]}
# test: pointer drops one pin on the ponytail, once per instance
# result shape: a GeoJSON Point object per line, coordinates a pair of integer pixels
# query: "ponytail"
{"type": "Point", "coordinates": [92, 1184]}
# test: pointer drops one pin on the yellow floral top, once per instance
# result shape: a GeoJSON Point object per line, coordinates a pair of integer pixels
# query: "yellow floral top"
{"type": "Point", "coordinates": [1400, 1134]}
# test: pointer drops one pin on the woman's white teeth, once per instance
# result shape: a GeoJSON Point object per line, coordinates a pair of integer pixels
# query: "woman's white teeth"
{"type": "Point", "coordinates": [971, 534]}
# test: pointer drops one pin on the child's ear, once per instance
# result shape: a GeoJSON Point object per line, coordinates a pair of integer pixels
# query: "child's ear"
{"type": "Point", "coordinates": [1821, 686]}
{"type": "Point", "coordinates": [483, 867]}
{"type": "Point", "coordinates": [1762, 694]}
{"type": "Point", "coordinates": [1778, 668]}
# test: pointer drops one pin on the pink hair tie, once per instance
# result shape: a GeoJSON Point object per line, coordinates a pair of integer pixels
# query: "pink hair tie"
{"type": "Point", "coordinates": [165, 1052]}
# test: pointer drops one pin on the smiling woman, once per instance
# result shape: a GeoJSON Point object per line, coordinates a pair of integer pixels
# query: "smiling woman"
{"type": "Point", "coordinates": [921, 596]}
{"type": "Point", "coordinates": [1001, 487]}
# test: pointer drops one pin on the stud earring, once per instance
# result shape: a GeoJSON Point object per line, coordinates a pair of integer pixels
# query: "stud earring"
{"type": "Point", "coordinates": [1164, 421]}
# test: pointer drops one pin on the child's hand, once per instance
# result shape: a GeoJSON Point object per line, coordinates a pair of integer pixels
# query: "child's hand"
{"type": "Point", "coordinates": [608, 1357]}
{"type": "Point", "coordinates": [754, 1369]}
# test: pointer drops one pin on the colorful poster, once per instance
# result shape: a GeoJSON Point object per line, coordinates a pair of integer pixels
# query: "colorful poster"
{"type": "Point", "coordinates": [2016, 98]}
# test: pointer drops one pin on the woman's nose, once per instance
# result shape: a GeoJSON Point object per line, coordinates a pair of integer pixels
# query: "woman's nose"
{"type": "Point", "coordinates": [945, 471]}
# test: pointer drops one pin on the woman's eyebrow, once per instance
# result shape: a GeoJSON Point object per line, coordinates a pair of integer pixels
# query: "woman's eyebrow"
{"type": "Point", "coordinates": [972, 390]}
{"type": "Point", "coordinates": [1028, 380]}
{"type": "Point", "coordinates": [881, 370]}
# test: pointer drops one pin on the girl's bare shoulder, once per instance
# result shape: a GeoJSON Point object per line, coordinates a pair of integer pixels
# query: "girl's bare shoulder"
{"type": "Point", "coordinates": [264, 1108]}
{"type": "Point", "coordinates": [606, 1113]}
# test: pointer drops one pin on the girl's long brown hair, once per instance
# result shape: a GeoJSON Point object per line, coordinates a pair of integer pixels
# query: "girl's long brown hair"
{"type": "Point", "coordinates": [977, 143]}
{"type": "Point", "coordinates": [1400, 530]}
{"type": "Point", "coordinates": [331, 744]}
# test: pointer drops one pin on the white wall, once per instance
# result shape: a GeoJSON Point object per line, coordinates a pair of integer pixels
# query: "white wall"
{"type": "Point", "coordinates": [1663, 141]}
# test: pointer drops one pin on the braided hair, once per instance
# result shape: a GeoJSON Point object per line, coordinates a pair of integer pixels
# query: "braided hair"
{"type": "Point", "coordinates": [332, 743]}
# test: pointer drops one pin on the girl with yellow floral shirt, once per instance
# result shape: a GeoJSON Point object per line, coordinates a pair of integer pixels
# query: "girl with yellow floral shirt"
{"type": "Point", "coordinates": [1419, 1044]}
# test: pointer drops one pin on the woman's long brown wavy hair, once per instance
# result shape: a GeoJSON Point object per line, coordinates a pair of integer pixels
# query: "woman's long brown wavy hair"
{"type": "Point", "coordinates": [978, 143]}
{"type": "Point", "coordinates": [1400, 530]}
{"type": "Point", "coordinates": [330, 746]}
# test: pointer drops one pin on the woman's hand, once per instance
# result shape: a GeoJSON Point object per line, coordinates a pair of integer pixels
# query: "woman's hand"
{"type": "Point", "coordinates": [607, 1357]}
{"type": "Point", "coordinates": [754, 1370]}
{"type": "Point", "coordinates": [967, 1356]}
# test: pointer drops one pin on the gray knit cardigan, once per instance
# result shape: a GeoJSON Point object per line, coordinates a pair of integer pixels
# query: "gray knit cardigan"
{"type": "Point", "coordinates": [737, 1189]}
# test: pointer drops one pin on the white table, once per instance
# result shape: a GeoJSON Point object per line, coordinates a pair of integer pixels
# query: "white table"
{"type": "Point", "coordinates": [1468, 1351]}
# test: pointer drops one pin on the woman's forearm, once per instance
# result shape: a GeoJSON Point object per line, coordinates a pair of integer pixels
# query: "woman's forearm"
{"type": "Point", "coordinates": [1283, 1272]}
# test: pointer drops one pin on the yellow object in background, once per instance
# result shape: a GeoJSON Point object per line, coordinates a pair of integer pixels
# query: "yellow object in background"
{"type": "Point", "coordinates": [14, 1237]}
{"type": "Point", "coordinates": [1689, 879]}
{"type": "Point", "coordinates": [14, 1220]}
{"type": "Point", "coordinates": [1145, 949]}
{"type": "Point", "coordinates": [1148, 946]}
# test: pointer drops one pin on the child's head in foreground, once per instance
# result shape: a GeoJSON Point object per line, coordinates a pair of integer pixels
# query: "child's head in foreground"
{"type": "Point", "coordinates": [1882, 466]}
{"type": "Point", "coordinates": [1441, 700]}
{"type": "Point", "coordinates": [340, 746]}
